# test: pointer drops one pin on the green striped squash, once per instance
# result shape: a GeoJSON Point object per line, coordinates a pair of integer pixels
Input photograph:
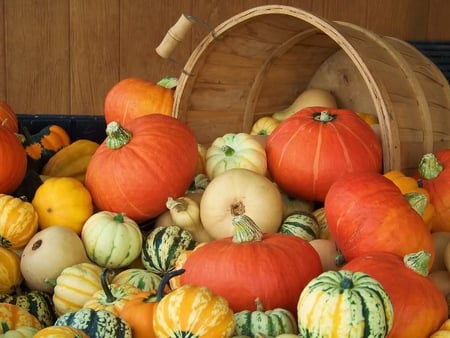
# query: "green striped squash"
{"type": "Point", "coordinates": [270, 323]}
{"type": "Point", "coordinates": [38, 303]}
{"type": "Point", "coordinates": [162, 247]}
{"type": "Point", "coordinates": [344, 304]}
{"type": "Point", "coordinates": [96, 323]}
{"type": "Point", "coordinates": [302, 224]}
{"type": "Point", "coordinates": [140, 278]}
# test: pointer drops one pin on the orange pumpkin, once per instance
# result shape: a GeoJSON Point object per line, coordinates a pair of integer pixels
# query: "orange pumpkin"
{"type": "Point", "coordinates": [8, 117]}
{"type": "Point", "coordinates": [136, 169]}
{"type": "Point", "coordinates": [10, 276]}
{"type": "Point", "coordinates": [60, 331]}
{"type": "Point", "coordinates": [134, 97]}
{"type": "Point", "coordinates": [13, 159]}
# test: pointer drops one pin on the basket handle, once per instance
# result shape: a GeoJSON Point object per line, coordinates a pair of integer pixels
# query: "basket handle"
{"type": "Point", "coordinates": [174, 36]}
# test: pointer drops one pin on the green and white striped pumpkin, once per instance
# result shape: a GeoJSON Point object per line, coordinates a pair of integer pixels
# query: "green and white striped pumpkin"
{"type": "Point", "coordinates": [302, 224]}
{"type": "Point", "coordinates": [269, 323]}
{"type": "Point", "coordinates": [162, 247]}
{"type": "Point", "coordinates": [344, 304]}
{"type": "Point", "coordinates": [140, 278]}
{"type": "Point", "coordinates": [96, 323]}
{"type": "Point", "coordinates": [38, 303]}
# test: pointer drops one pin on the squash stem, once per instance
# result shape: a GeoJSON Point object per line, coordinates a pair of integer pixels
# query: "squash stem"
{"type": "Point", "coordinates": [178, 204]}
{"type": "Point", "coordinates": [116, 135]}
{"type": "Point", "coordinates": [429, 166]}
{"type": "Point", "coordinates": [418, 262]}
{"type": "Point", "coordinates": [245, 229]}
{"type": "Point", "coordinates": [164, 280]}
{"type": "Point", "coordinates": [110, 298]}
{"type": "Point", "coordinates": [417, 201]}
{"type": "Point", "coordinates": [324, 116]}
{"type": "Point", "coordinates": [229, 151]}
{"type": "Point", "coordinates": [119, 217]}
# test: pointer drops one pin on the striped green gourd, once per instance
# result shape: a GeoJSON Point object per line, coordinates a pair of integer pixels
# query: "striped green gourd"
{"type": "Point", "coordinates": [344, 304]}
{"type": "Point", "coordinates": [269, 323]}
{"type": "Point", "coordinates": [96, 323]}
{"type": "Point", "coordinates": [302, 224]}
{"type": "Point", "coordinates": [38, 303]}
{"type": "Point", "coordinates": [140, 278]}
{"type": "Point", "coordinates": [162, 247]}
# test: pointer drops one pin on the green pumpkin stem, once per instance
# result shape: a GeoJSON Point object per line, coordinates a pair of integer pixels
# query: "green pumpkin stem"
{"type": "Point", "coordinates": [417, 201]}
{"type": "Point", "coordinates": [324, 116]}
{"type": "Point", "coordinates": [110, 298]}
{"type": "Point", "coordinates": [245, 229]}
{"type": "Point", "coordinates": [119, 217]}
{"type": "Point", "coordinates": [164, 280]}
{"type": "Point", "coordinates": [418, 262]}
{"type": "Point", "coordinates": [429, 166]}
{"type": "Point", "coordinates": [347, 281]}
{"type": "Point", "coordinates": [229, 151]}
{"type": "Point", "coordinates": [5, 327]}
{"type": "Point", "coordinates": [116, 135]}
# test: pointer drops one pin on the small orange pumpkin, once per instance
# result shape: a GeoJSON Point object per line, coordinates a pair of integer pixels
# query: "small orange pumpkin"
{"type": "Point", "coordinates": [134, 97]}
{"type": "Point", "coordinates": [13, 161]}
{"type": "Point", "coordinates": [14, 316]}
{"type": "Point", "coordinates": [10, 276]}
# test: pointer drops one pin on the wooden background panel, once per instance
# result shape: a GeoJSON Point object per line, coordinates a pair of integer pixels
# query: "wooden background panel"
{"type": "Point", "coordinates": [62, 56]}
{"type": "Point", "coordinates": [37, 55]}
{"type": "Point", "coordinates": [94, 57]}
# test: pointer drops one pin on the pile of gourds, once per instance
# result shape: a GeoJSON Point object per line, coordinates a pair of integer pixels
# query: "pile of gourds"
{"type": "Point", "coordinates": [290, 230]}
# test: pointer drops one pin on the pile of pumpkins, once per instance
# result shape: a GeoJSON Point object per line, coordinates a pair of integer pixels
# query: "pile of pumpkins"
{"type": "Point", "coordinates": [290, 230]}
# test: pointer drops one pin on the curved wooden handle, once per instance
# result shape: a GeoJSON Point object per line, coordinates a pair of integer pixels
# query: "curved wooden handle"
{"type": "Point", "coordinates": [174, 36]}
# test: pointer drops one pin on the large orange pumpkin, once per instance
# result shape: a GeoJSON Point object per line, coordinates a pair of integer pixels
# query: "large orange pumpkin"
{"type": "Point", "coordinates": [314, 147]}
{"type": "Point", "coordinates": [13, 159]}
{"type": "Point", "coordinates": [8, 117]}
{"type": "Point", "coordinates": [419, 306]}
{"type": "Point", "coordinates": [135, 170]}
{"type": "Point", "coordinates": [367, 212]}
{"type": "Point", "coordinates": [134, 97]}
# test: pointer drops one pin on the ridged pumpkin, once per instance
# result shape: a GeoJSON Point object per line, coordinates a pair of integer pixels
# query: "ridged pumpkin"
{"type": "Point", "coordinates": [140, 278]}
{"type": "Point", "coordinates": [65, 331]}
{"type": "Point", "coordinates": [344, 304]}
{"type": "Point", "coordinates": [71, 161]}
{"type": "Point", "coordinates": [38, 303]}
{"type": "Point", "coordinates": [10, 274]}
{"type": "Point", "coordinates": [156, 155]}
{"type": "Point", "coordinates": [75, 285]}
{"type": "Point", "coordinates": [399, 276]}
{"type": "Point", "coordinates": [13, 159]}
{"type": "Point", "coordinates": [310, 150]}
{"type": "Point", "coordinates": [434, 171]}
{"type": "Point", "coordinates": [133, 97]}
{"type": "Point", "coordinates": [8, 117]}
{"type": "Point", "coordinates": [63, 201]}
{"type": "Point", "coordinates": [96, 323]}
{"type": "Point", "coordinates": [15, 316]}
{"type": "Point", "coordinates": [112, 240]}
{"type": "Point", "coordinates": [271, 266]}
{"type": "Point", "coordinates": [18, 222]}
{"type": "Point", "coordinates": [366, 212]}
{"type": "Point", "coordinates": [193, 311]}
{"type": "Point", "coordinates": [271, 323]}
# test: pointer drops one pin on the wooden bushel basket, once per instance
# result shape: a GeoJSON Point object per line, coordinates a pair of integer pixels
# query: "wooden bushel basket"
{"type": "Point", "coordinates": [259, 61]}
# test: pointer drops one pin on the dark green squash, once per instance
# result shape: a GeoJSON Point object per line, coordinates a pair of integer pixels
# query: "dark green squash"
{"type": "Point", "coordinates": [96, 323]}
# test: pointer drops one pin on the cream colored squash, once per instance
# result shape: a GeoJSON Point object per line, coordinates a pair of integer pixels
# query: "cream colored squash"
{"type": "Point", "coordinates": [239, 150]}
{"type": "Point", "coordinates": [313, 97]}
{"type": "Point", "coordinates": [237, 191]}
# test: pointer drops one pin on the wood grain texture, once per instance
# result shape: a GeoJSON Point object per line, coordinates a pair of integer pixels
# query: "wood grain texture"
{"type": "Point", "coordinates": [62, 56]}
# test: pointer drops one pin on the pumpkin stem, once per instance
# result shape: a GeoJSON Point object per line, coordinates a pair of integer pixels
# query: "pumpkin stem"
{"type": "Point", "coordinates": [229, 151]}
{"type": "Point", "coordinates": [116, 135]}
{"type": "Point", "coordinates": [259, 304]}
{"type": "Point", "coordinates": [5, 327]}
{"type": "Point", "coordinates": [164, 280]}
{"type": "Point", "coordinates": [429, 166]}
{"type": "Point", "coordinates": [178, 204]}
{"type": "Point", "coordinates": [110, 298]}
{"type": "Point", "coordinates": [168, 82]}
{"type": "Point", "coordinates": [347, 281]}
{"type": "Point", "coordinates": [119, 217]}
{"type": "Point", "coordinates": [245, 229]}
{"type": "Point", "coordinates": [418, 201]}
{"type": "Point", "coordinates": [324, 116]}
{"type": "Point", "coordinates": [418, 262]}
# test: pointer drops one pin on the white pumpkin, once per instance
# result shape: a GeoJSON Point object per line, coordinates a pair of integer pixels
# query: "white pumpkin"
{"type": "Point", "coordinates": [238, 191]}
{"type": "Point", "coordinates": [112, 239]}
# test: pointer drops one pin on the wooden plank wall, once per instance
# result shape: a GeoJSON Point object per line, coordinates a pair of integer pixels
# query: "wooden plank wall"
{"type": "Point", "coordinates": [62, 56]}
